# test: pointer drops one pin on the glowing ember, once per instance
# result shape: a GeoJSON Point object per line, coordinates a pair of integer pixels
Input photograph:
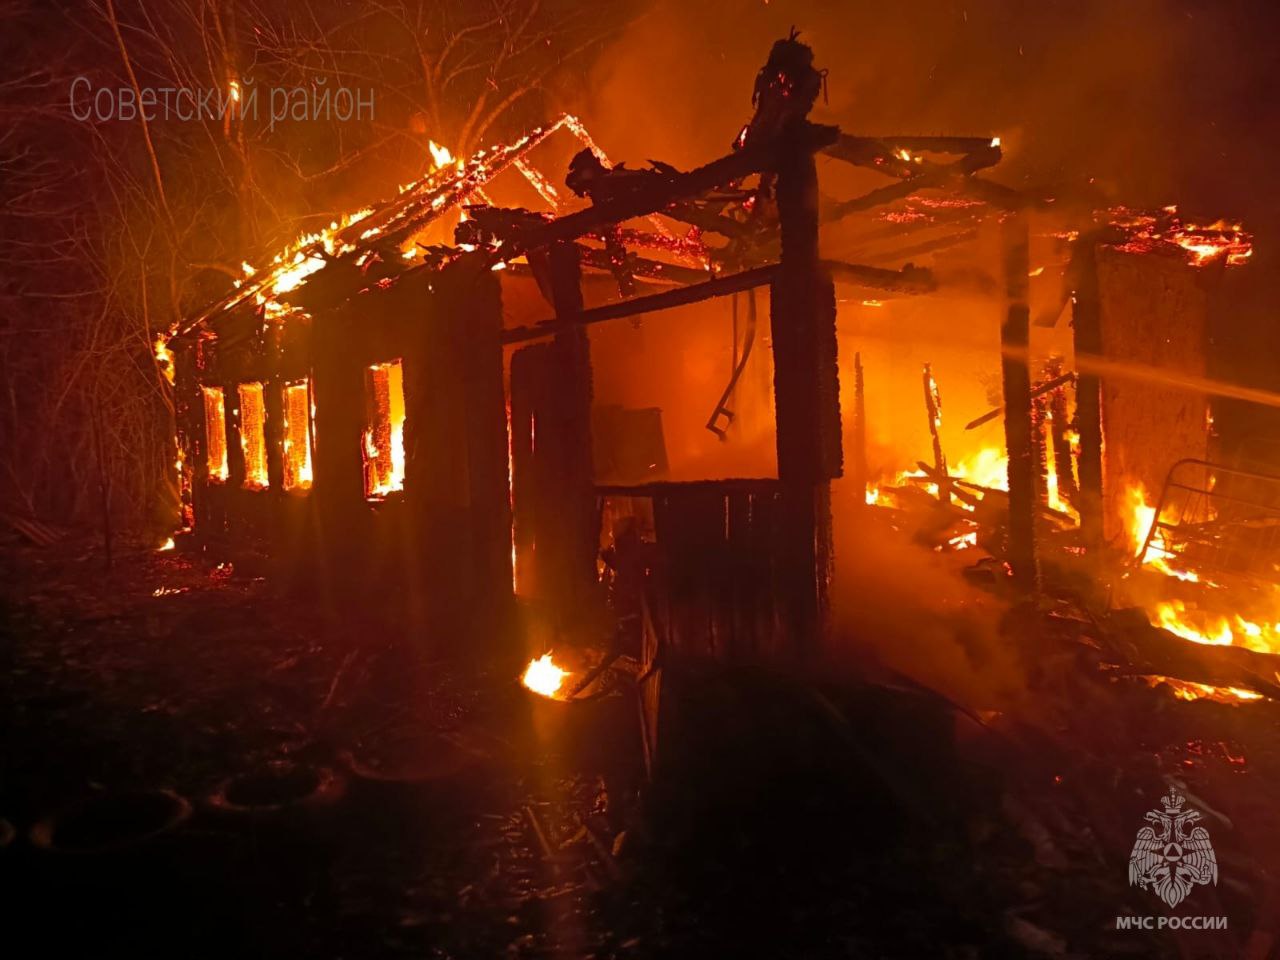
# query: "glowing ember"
{"type": "Point", "coordinates": [167, 545]}
{"type": "Point", "coordinates": [1201, 244]}
{"type": "Point", "coordinates": [543, 676]}
{"type": "Point", "coordinates": [1188, 690]}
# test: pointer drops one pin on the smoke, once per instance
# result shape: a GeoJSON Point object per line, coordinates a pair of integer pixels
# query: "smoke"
{"type": "Point", "coordinates": [1162, 99]}
{"type": "Point", "coordinates": [901, 607]}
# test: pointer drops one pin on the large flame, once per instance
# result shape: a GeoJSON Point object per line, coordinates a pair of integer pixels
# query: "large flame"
{"type": "Point", "coordinates": [543, 676]}
{"type": "Point", "coordinates": [1187, 618]}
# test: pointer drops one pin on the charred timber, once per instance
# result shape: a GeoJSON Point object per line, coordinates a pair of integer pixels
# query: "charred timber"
{"type": "Point", "coordinates": [910, 279]}
{"type": "Point", "coordinates": [1040, 389]}
{"type": "Point", "coordinates": [641, 266]}
{"type": "Point", "coordinates": [1151, 650]}
{"type": "Point", "coordinates": [1016, 377]}
{"type": "Point", "coordinates": [718, 287]}
{"type": "Point", "coordinates": [1086, 313]}
{"type": "Point", "coordinates": [931, 175]}
{"type": "Point", "coordinates": [882, 154]}
{"type": "Point", "coordinates": [656, 198]}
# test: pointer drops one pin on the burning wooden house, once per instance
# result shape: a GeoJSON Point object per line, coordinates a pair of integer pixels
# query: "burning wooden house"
{"type": "Point", "coordinates": [444, 423]}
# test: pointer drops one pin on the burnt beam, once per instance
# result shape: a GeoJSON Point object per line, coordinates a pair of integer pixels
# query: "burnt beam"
{"type": "Point", "coordinates": [753, 158]}
{"type": "Point", "coordinates": [1086, 314]}
{"type": "Point", "coordinates": [1016, 376]}
{"type": "Point", "coordinates": [718, 287]}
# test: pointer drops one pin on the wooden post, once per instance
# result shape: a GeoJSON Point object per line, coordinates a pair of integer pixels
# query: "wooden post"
{"type": "Point", "coordinates": [859, 431]}
{"type": "Point", "coordinates": [1086, 315]}
{"type": "Point", "coordinates": [806, 390]}
{"type": "Point", "coordinates": [459, 369]}
{"type": "Point", "coordinates": [577, 536]}
{"type": "Point", "coordinates": [1016, 376]}
{"type": "Point", "coordinates": [933, 407]}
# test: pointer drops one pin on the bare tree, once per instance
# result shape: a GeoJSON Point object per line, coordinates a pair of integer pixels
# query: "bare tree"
{"type": "Point", "coordinates": [111, 230]}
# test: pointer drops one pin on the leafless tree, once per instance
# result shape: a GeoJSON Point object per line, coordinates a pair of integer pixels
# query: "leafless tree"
{"type": "Point", "coordinates": [113, 230]}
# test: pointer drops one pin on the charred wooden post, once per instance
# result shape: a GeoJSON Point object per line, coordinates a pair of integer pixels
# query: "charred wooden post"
{"type": "Point", "coordinates": [806, 389]}
{"type": "Point", "coordinates": [1039, 448]}
{"type": "Point", "coordinates": [933, 407]}
{"type": "Point", "coordinates": [1060, 438]}
{"type": "Point", "coordinates": [574, 350]}
{"type": "Point", "coordinates": [457, 391]}
{"type": "Point", "coordinates": [1087, 332]}
{"type": "Point", "coordinates": [551, 449]}
{"type": "Point", "coordinates": [1016, 376]}
{"type": "Point", "coordinates": [859, 431]}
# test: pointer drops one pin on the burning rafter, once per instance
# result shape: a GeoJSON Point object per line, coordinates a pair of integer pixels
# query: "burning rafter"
{"type": "Point", "coordinates": [391, 224]}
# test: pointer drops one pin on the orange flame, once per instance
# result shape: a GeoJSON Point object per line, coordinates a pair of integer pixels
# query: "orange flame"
{"type": "Point", "coordinates": [543, 676]}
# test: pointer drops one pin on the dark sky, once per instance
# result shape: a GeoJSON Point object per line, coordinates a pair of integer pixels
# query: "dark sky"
{"type": "Point", "coordinates": [1166, 99]}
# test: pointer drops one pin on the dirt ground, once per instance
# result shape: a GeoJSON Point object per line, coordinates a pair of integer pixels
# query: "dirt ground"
{"type": "Point", "coordinates": [797, 818]}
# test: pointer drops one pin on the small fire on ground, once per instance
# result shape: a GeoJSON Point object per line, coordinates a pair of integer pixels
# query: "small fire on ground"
{"type": "Point", "coordinates": [543, 676]}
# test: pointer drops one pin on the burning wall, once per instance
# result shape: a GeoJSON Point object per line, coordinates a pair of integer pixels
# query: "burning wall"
{"type": "Point", "coordinates": [1154, 312]}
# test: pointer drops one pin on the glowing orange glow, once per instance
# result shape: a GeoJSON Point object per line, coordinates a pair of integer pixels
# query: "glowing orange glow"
{"type": "Point", "coordinates": [1201, 243]}
{"type": "Point", "coordinates": [543, 676]}
{"type": "Point", "coordinates": [164, 358]}
{"type": "Point", "coordinates": [215, 434]}
{"type": "Point", "coordinates": [297, 436]}
{"type": "Point", "coordinates": [384, 459]}
{"type": "Point", "coordinates": [167, 545]}
{"type": "Point", "coordinates": [253, 437]}
{"type": "Point", "coordinates": [1189, 690]}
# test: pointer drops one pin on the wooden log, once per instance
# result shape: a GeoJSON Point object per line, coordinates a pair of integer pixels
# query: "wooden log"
{"type": "Point", "coordinates": [1151, 650]}
{"type": "Point", "coordinates": [1014, 338]}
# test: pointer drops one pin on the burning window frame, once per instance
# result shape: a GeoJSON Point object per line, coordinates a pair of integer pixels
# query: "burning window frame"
{"type": "Point", "coordinates": [298, 473]}
{"type": "Point", "coordinates": [382, 442]}
{"type": "Point", "coordinates": [215, 434]}
{"type": "Point", "coordinates": [251, 422]}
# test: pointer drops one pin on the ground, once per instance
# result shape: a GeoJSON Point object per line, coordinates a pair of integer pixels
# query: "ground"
{"type": "Point", "coordinates": [798, 818]}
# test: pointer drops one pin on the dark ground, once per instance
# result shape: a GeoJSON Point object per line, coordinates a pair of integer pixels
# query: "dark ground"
{"type": "Point", "coordinates": [797, 819]}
